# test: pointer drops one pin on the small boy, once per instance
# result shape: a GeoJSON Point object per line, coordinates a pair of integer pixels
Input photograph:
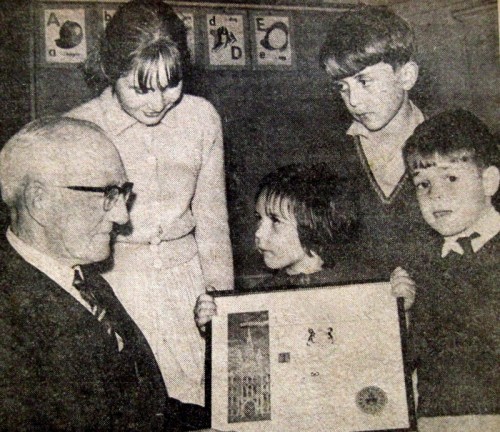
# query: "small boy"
{"type": "Point", "coordinates": [454, 164]}
{"type": "Point", "coordinates": [369, 55]}
{"type": "Point", "coordinates": [305, 216]}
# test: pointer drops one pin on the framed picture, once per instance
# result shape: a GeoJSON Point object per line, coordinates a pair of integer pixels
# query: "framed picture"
{"type": "Point", "coordinates": [272, 41]}
{"type": "Point", "coordinates": [64, 35]}
{"type": "Point", "coordinates": [310, 359]}
{"type": "Point", "coordinates": [225, 40]}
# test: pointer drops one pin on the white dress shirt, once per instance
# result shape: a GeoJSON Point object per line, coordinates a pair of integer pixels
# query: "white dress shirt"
{"type": "Point", "coordinates": [487, 227]}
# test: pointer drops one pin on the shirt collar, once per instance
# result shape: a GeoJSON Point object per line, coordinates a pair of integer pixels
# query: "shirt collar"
{"type": "Point", "coordinates": [118, 121]}
{"type": "Point", "coordinates": [60, 273]}
{"type": "Point", "coordinates": [488, 226]}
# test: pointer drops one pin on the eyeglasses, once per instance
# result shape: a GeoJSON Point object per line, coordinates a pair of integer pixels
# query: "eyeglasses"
{"type": "Point", "coordinates": [111, 193]}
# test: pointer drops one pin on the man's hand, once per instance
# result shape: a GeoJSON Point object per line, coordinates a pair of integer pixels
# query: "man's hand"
{"type": "Point", "coordinates": [204, 310]}
{"type": "Point", "coordinates": [402, 285]}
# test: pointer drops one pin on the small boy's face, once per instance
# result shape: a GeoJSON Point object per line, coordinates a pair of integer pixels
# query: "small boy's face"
{"type": "Point", "coordinates": [277, 238]}
{"type": "Point", "coordinates": [375, 95]}
{"type": "Point", "coordinates": [452, 193]}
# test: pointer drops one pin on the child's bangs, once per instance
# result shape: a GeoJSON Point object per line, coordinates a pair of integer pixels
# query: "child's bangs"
{"type": "Point", "coordinates": [419, 160]}
{"type": "Point", "coordinates": [277, 203]}
{"type": "Point", "coordinates": [352, 63]}
{"type": "Point", "coordinates": [158, 66]}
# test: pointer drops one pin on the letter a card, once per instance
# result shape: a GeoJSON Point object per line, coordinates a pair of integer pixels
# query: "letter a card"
{"type": "Point", "coordinates": [226, 40]}
{"type": "Point", "coordinates": [65, 35]}
{"type": "Point", "coordinates": [272, 43]}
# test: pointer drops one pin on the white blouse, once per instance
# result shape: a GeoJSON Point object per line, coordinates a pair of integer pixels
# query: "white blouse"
{"type": "Point", "coordinates": [177, 168]}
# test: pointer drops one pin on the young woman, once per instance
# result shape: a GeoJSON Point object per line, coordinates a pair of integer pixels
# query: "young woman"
{"type": "Point", "coordinates": [171, 145]}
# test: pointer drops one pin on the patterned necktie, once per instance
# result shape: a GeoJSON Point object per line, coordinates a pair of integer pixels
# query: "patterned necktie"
{"type": "Point", "coordinates": [466, 244]}
{"type": "Point", "coordinates": [98, 310]}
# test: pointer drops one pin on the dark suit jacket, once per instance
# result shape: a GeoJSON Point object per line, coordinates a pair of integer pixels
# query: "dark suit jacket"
{"type": "Point", "coordinates": [60, 370]}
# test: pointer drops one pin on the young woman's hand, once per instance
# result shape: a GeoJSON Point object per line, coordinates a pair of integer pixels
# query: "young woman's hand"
{"type": "Point", "coordinates": [402, 285]}
{"type": "Point", "coordinates": [204, 310]}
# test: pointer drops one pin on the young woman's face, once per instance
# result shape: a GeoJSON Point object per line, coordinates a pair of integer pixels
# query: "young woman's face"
{"type": "Point", "coordinates": [147, 107]}
{"type": "Point", "coordinates": [277, 238]}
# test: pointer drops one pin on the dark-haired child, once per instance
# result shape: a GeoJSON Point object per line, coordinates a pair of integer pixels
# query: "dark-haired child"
{"type": "Point", "coordinates": [454, 163]}
{"type": "Point", "coordinates": [369, 54]}
{"type": "Point", "coordinates": [305, 216]}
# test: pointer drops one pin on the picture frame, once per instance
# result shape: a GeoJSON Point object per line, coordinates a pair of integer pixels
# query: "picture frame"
{"type": "Point", "coordinates": [226, 39]}
{"type": "Point", "coordinates": [64, 34]}
{"type": "Point", "coordinates": [307, 359]}
{"type": "Point", "coordinates": [273, 43]}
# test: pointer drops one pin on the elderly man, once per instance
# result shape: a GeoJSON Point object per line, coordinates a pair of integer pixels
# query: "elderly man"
{"type": "Point", "coordinates": [70, 356]}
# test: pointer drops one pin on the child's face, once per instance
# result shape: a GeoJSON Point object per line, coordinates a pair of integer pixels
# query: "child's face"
{"type": "Point", "coordinates": [277, 238]}
{"type": "Point", "coordinates": [375, 94]}
{"type": "Point", "coordinates": [452, 193]}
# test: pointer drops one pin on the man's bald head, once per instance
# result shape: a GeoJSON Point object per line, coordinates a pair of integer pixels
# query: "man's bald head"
{"type": "Point", "coordinates": [57, 150]}
{"type": "Point", "coordinates": [56, 175]}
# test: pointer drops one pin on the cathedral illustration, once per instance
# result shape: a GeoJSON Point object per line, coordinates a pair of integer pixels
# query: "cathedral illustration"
{"type": "Point", "coordinates": [249, 381]}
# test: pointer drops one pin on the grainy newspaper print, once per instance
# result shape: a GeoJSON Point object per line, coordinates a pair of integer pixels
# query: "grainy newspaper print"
{"type": "Point", "coordinates": [248, 158]}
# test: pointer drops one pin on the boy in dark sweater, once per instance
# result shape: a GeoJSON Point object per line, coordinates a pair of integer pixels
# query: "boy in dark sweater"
{"type": "Point", "coordinates": [454, 163]}
{"type": "Point", "coordinates": [369, 55]}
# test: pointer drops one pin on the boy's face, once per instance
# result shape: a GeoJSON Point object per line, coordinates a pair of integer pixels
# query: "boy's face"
{"type": "Point", "coordinates": [453, 194]}
{"type": "Point", "coordinates": [375, 94]}
{"type": "Point", "coordinates": [277, 238]}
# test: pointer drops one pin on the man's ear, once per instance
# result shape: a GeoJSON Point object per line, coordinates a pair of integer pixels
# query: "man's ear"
{"type": "Point", "coordinates": [408, 74]}
{"type": "Point", "coordinates": [491, 180]}
{"type": "Point", "coordinates": [36, 200]}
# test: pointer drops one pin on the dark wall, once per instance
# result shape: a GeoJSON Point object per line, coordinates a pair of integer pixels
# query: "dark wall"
{"type": "Point", "coordinates": [15, 73]}
{"type": "Point", "coordinates": [15, 67]}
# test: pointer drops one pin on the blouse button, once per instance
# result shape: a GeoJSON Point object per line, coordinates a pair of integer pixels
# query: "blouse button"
{"type": "Point", "coordinates": [157, 264]}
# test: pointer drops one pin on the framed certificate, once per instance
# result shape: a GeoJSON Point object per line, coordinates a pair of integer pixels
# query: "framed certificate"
{"type": "Point", "coordinates": [325, 358]}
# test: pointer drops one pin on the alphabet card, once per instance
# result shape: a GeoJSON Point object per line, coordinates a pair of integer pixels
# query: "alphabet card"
{"type": "Point", "coordinates": [65, 35]}
{"type": "Point", "coordinates": [272, 42]}
{"type": "Point", "coordinates": [187, 17]}
{"type": "Point", "coordinates": [106, 15]}
{"type": "Point", "coordinates": [226, 40]}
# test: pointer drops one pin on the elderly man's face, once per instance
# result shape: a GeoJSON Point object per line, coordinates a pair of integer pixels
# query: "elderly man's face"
{"type": "Point", "coordinates": [80, 226]}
